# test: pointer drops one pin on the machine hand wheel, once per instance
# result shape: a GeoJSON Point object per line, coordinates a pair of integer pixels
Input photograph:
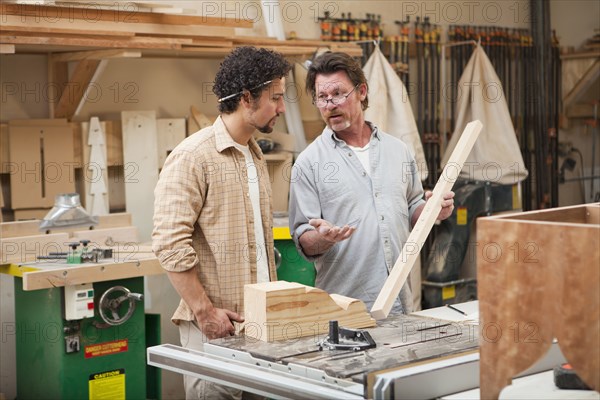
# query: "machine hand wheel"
{"type": "Point", "coordinates": [110, 303]}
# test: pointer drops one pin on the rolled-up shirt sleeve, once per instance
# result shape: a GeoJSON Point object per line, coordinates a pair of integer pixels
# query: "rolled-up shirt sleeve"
{"type": "Point", "coordinates": [304, 204]}
{"type": "Point", "coordinates": [178, 200]}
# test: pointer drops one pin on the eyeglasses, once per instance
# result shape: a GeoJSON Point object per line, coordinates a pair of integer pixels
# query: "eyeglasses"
{"type": "Point", "coordinates": [231, 96]}
{"type": "Point", "coordinates": [338, 99]}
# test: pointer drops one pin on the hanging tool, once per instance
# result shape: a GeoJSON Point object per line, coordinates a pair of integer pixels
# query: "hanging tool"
{"type": "Point", "coordinates": [453, 81]}
{"type": "Point", "coordinates": [405, 47]}
{"type": "Point", "coordinates": [352, 28]}
{"type": "Point", "coordinates": [325, 27]}
{"type": "Point", "coordinates": [419, 44]}
{"type": "Point", "coordinates": [344, 28]}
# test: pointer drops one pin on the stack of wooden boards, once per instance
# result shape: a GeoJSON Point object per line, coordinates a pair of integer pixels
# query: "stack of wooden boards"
{"type": "Point", "coordinates": [77, 26]}
{"type": "Point", "coordinates": [286, 310]}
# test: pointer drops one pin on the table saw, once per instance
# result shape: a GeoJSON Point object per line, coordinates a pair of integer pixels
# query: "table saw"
{"type": "Point", "coordinates": [412, 351]}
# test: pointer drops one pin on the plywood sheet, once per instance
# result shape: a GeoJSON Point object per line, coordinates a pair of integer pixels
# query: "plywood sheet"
{"type": "Point", "coordinates": [140, 154]}
{"type": "Point", "coordinates": [170, 131]}
{"type": "Point", "coordinates": [279, 166]}
{"type": "Point", "coordinates": [4, 149]}
{"type": "Point", "coordinates": [45, 168]}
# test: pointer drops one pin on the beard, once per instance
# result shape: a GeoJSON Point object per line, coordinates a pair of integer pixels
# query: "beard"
{"type": "Point", "coordinates": [267, 128]}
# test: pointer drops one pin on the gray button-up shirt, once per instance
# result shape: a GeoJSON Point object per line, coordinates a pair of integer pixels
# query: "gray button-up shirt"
{"type": "Point", "coordinates": [329, 182]}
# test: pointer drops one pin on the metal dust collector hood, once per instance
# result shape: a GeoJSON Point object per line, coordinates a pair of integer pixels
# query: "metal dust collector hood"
{"type": "Point", "coordinates": [67, 212]}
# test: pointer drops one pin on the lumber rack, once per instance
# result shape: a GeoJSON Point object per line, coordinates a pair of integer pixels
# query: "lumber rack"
{"type": "Point", "coordinates": [90, 36]}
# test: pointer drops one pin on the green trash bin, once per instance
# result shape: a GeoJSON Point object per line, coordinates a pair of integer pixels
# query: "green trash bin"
{"type": "Point", "coordinates": [292, 266]}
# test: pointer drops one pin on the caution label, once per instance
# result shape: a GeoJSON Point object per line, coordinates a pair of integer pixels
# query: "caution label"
{"type": "Point", "coordinates": [107, 385]}
{"type": "Point", "coordinates": [103, 349]}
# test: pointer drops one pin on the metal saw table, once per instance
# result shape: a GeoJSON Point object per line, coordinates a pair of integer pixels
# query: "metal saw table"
{"type": "Point", "coordinates": [296, 368]}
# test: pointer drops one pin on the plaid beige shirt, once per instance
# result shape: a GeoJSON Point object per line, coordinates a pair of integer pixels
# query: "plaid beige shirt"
{"type": "Point", "coordinates": [203, 217]}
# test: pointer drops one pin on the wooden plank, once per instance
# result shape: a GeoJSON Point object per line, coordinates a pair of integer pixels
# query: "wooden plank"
{"type": "Point", "coordinates": [126, 43]}
{"type": "Point", "coordinates": [592, 215]}
{"type": "Point", "coordinates": [128, 15]}
{"type": "Point", "coordinates": [116, 196]}
{"type": "Point", "coordinates": [284, 310]}
{"type": "Point", "coordinates": [207, 42]}
{"type": "Point", "coordinates": [94, 168]}
{"type": "Point", "coordinates": [108, 237]}
{"type": "Point", "coordinates": [567, 216]}
{"type": "Point", "coordinates": [78, 148]}
{"type": "Point", "coordinates": [28, 214]}
{"type": "Point", "coordinates": [279, 166]}
{"type": "Point", "coordinates": [31, 228]}
{"type": "Point", "coordinates": [111, 26]}
{"type": "Point", "coordinates": [79, 81]}
{"type": "Point", "coordinates": [94, 55]}
{"type": "Point", "coordinates": [170, 132]}
{"type": "Point", "coordinates": [5, 166]}
{"type": "Point", "coordinates": [583, 84]}
{"type": "Point", "coordinates": [46, 166]}
{"type": "Point", "coordinates": [58, 31]}
{"type": "Point", "coordinates": [141, 167]}
{"type": "Point", "coordinates": [130, 266]}
{"type": "Point", "coordinates": [197, 121]}
{"type": "Point", "coordinates": [18, 250]}
{"type": "Point", "coordinates": [58, 78]}
{"type": "Point", "coordinates": [7, 48]}
{"type": "Point", "coordinates": [586, 54]}
{"type": "Point", "coordinates": [114, 141]}
{"type": "Point", "coordinates": [410, 251]}
{"type": "Point", "coordinates": [535, 281]}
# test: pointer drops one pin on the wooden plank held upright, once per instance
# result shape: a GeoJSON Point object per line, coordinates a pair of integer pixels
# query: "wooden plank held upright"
{"type": "Point", "coordinates": [410, 251]}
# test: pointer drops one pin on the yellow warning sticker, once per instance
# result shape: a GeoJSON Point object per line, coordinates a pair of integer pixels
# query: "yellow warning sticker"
{"type": "Point", "coordinates": [448, 292]}
{"type": "Point", "coordinates": [107, 385]}
{"type": "Point", "coordinates": [461, 216]}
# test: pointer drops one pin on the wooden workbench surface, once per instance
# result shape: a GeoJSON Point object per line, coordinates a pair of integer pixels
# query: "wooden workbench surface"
{"type": "Point", "coordinates": [45, 275]}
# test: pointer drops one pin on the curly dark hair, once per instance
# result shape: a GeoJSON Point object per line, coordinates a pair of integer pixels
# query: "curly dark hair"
{"type": "Point", "coordinates": [247, 68]}
{"type": "Point", "coordinates": [331, 62]}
